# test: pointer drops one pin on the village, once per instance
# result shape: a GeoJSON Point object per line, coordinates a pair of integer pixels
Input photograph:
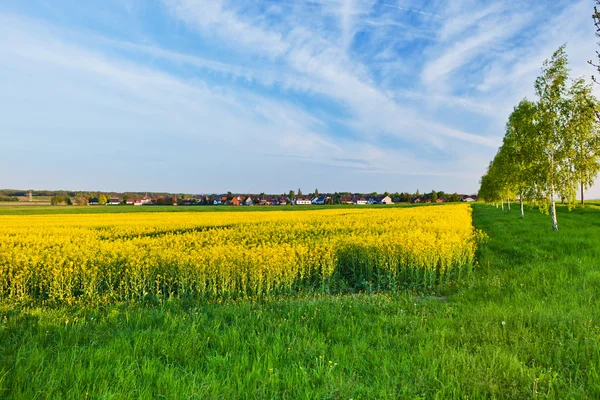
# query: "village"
{"type": "Point", "coordinates": [281, 200]}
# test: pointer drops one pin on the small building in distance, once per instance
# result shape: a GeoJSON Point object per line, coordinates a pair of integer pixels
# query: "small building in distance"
{"type": "Point", "coordinates": [346, 199]}
{"type": "Point", "coordinates": [302, 201]}
{"type": "Point", "coordinates": [236, 201]}
{"type": "Point", "coordinates": [114, 201]}
{"type": "Point", "coordinates": [360, 200]}
{"type": "Point", "coordinates": [380, 200]}
{"type": "Point", "coordinates": [469, 198]}
{"type": "Point", "coordinates": [384, 200]}
{"type": "Point", "coordinates": [319, 200]}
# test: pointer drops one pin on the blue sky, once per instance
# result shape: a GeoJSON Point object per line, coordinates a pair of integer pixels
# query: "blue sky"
{"type": "Point", "coordinates": [268, 96]}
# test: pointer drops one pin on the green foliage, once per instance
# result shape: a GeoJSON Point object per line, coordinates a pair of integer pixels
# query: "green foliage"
{"type": "Point", "coordinates": [583, 128]}
{"type": "Point", "coordinates": [553, 162]}
{"type": "Point", "coordinates": [102, 199]}
{"type": "Point", "coordinates": [56, 200]}
{"type": "Point", "coordinates": [7, 198]}
{"type": "Point", "coordinates": [433, 196]}
{"type": "Point", "coordinates": [454, 197]}
{"type": "Point", "coordinates": [550, 147]}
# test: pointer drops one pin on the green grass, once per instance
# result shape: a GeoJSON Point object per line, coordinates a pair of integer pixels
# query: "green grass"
{"type": "Point", "coordinates": [41, 210]}
{"type": "Point", "coordinates": [526, 325]}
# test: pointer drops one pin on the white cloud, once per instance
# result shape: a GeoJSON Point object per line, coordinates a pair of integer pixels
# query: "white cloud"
{"type": "Point", "coordinates": [212, 16]}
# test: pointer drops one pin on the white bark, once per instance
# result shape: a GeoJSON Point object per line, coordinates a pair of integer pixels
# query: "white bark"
{"type": "Point", "coordinates": [508, 202]}
{"type": "Point", "coordinates": [553, 209]}
{"type": "Point", "coordinates": [502, 205]}
{"type": "Point", "coordinates": [521, 204]}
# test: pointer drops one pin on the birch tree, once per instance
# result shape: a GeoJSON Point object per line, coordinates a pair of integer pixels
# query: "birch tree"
{"type": "Point", "coordinates": [503, 175]}
{"type": "Point", "coordinates": [519, 144]}
{"type": "Point", "coordinates": [556, 175]}
{"type": "Point", "coordinates": [490, 189]}
{"type": "Point", "coordinates": [583, 127]}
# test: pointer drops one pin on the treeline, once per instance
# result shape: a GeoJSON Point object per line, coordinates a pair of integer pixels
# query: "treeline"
{"type": "Point", "coordinates": [551, 147]}
{"type": "Point", "coordinates": [73, 194]}
{"type": "Point", "coordinates": [38, 193]}
{"type": "Point", "coordinates": [3, 197]}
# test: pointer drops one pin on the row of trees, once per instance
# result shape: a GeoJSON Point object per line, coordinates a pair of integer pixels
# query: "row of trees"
{"type": "Point", "coordinates": [57, 200]}
{"type": "Point", "coordinates": [7, 198]}
{"type": "Point", "coordinates": [397, 197]}
{"type": "Point", "coordinates": [551, 147]}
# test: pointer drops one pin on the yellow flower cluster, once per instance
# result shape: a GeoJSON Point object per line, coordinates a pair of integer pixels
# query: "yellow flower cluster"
{"type": "Point", "coordinates": [212, 254]}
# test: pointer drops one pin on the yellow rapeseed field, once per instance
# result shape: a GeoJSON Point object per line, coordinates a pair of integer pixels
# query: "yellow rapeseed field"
{"type": "Point", "coordinates": [97, 257]}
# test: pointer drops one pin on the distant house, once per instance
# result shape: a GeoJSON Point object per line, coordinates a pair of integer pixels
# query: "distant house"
{"type": "Point", "coordinates": [138, 202]}
{"type": "Point", "coordinates": [283, 200]}
{"type": "Point", "coordinates": [130, 201]}
{"type": "Point", "coordinates": [384, 200]}
{"type": "Point", "coordinates": [302, 201]}
{"type": "Point", "coordinates": [114, 201]}
{"type": "Point", "coordinates": [319, 200]}
{"type": "Point", "coordinates": [236, 201]}
{"type": "Point", "coordinates": [248, 201]}
{"type": "Point", "coordinates": [416, 200]}
{"type": "Point", "coordinates": [360, 201]}
{"type": "Point", "coordinates": [441, 200]}
{"type": "Point", "coordinates": [93, 201]}
{"type": "Point", "coordinates": [269, 200]}
{"type": "Point", "coordinates": [380, 200]}
{"type": "Point", "coordinates": [346, 199]}
{"type": "Point", "coordinates": [146, 200]}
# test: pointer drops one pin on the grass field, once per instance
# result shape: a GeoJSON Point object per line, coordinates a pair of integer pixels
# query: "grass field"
{"type": "Point", "coordinates": [526, 324]}
{"type": "Point", "coordinates": [20, 209]}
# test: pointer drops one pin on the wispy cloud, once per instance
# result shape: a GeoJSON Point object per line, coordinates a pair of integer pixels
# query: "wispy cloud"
{"type": "Point", "coordinates": [331, 71]}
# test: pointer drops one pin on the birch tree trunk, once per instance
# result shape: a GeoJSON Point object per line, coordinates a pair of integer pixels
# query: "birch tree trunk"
{"type": "Point", "coordinates": [521, 204]}
{"type": "Point", "coordinates": [508, 203]}
{"type": "Point", "coordinates": [502, 205]}
{"type": "Point", "coordinates": [553, 209]}
{"type": "Point", "coordinates": [582, 193]}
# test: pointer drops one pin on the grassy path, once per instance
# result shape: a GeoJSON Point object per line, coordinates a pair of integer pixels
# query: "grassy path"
{"type": "Point", "coordinates": [526, 325]}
